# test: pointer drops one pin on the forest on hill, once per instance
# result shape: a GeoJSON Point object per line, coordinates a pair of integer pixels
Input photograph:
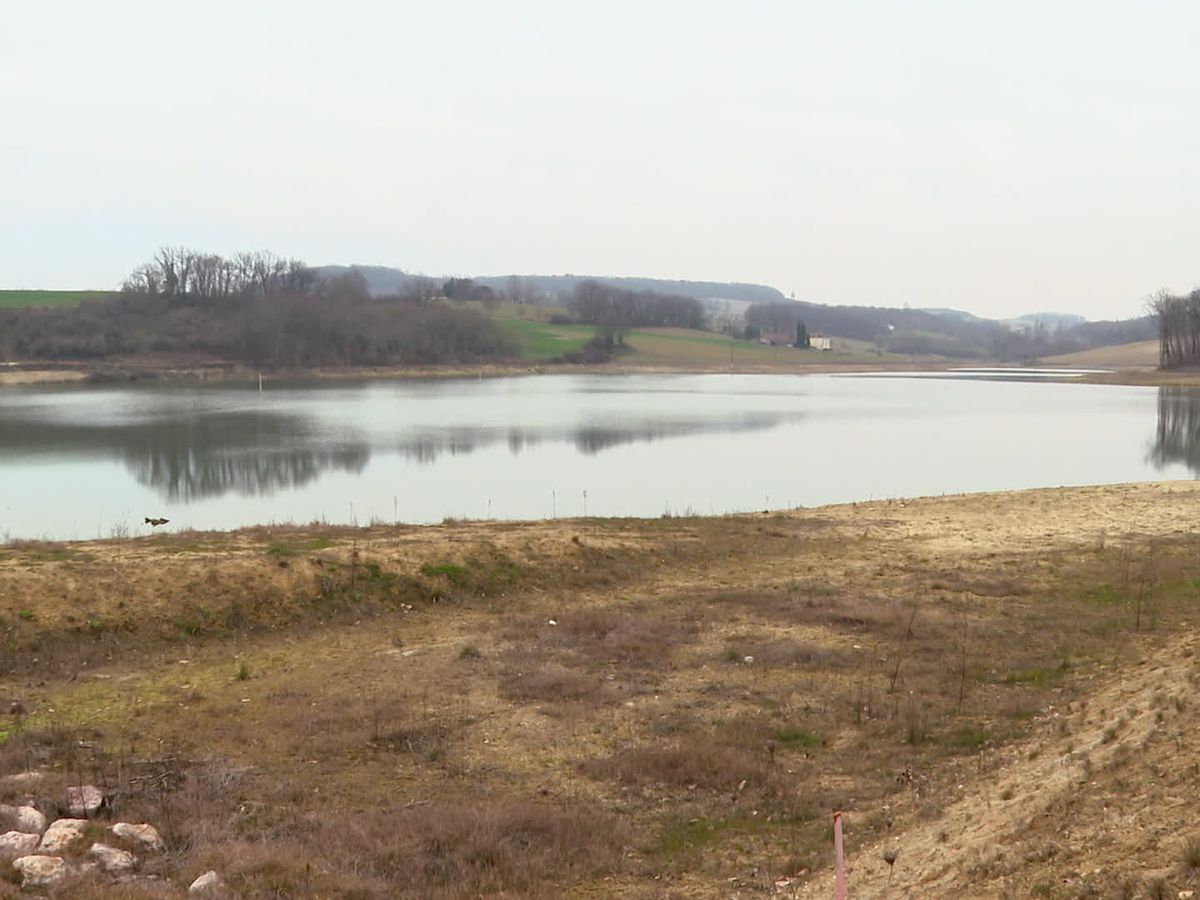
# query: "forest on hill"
{"type": "Point", "coordinates": [254, 308]}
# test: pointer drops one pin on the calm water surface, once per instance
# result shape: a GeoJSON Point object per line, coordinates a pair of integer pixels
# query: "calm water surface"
{"type": "Point", "coordinates": [87, 462]}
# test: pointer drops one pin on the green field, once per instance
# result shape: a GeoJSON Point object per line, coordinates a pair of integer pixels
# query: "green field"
{"type": "Point", "coordinates": [541, 340]}
{"type": "Point", "coordinates": [682, 347]}
{"type": "Point", "coordinates": [17, 299]}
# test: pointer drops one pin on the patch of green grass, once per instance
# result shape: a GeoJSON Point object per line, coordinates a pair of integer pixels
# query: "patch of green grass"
{"type": "Point", "coordinates": [286, 549]}
{"type": "Point", "coordinates": [21, 299]}
{"type": "Point", "coordinates": [967, 738]}
{"type": "Point", "coordinates": [793, 736]}
{"type": "Point", "coordinates": [1104, 595]}
{"type": "Point", "coordinates": [1038, 676]}
{"type": "Point", "coordinates": [452, 572]}
{"type": "Point", "coordinates": [680, 838]}
{"type": "Point", "coordinates": [26, 615]}
{"type": "Point", "coordinates": [543, 341]}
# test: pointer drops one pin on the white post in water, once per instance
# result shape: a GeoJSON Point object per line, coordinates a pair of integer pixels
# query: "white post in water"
{"type": "Point", "coordinates": [260, 382]}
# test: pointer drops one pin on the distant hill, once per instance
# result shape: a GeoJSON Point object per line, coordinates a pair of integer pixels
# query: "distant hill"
{"type": "Point", "coordinates": [1050, 321]}
{"type": "Point", "coordinates": [387, 280]}
{"type": "Point", "coordinates": [934, 330]}
{"type": "Point", "coordinates": [954, 333]}
{"type": "Point", "coordinates": [564, 285]}
{"type": "Point", "coordinates": [381, 280]}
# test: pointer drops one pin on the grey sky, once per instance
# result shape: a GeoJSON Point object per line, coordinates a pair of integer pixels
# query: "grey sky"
{"type": "Point", "coordinates": [999, 157]}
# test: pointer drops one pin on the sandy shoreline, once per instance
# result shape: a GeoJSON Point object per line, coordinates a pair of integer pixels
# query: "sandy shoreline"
{"type": "Point", "coordinates": [74, 374]}
{"type": "Point", "coordinates": [79, 374]}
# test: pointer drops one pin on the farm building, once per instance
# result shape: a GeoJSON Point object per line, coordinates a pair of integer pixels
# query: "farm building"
{"type": "Point", "coordinates": [820, 342]}
{"type": "Point", "coordinates": [776, 338]}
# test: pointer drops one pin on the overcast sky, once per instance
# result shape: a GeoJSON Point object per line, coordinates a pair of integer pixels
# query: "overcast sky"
{"type": "Point", "coordinates": [999, 157]}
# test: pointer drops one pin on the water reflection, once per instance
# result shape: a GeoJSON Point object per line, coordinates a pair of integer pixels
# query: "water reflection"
{"type": "Point", "coordinates": [189, 448]}
{"type": "Point", "coordinates": [1177, 439]}
{"type": "Point", "coordinates": [588, 439]}
{"type": "Point", "coordinates": [185, 474]}
{"type": "Point", "coordinates": [186, 456]}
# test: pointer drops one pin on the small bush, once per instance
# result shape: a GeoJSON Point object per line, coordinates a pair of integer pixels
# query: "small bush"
{"type": "Point", "coordinates": [1191, 854]}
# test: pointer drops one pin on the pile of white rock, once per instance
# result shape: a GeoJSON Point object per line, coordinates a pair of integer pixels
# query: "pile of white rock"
{"type": "Point", "coordinates": [46, 852]}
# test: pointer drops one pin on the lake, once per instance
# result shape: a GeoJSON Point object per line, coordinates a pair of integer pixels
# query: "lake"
{"type": "Point", "coordinates": [94, 461]}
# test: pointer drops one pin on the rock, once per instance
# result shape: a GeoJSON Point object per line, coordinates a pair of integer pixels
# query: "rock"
{"type": "Point", "coordinates": [112, 859]}
{"type": "Point", "coordinates": [23, 818]}
{"type": "Point", "coordinates": [23, 781]}
{"type": "Point", "coordinates": [39, 871]}
{"type": "Point", "coordinates": [146, 835]}
{"type": "Point", "coordinates": [29, 820]}
{"type": "Point", "coordinates": [18, 843]}
{"type": "Point", "coordinates": [208, 885]}
{"type": "Point", "coordinates": [85, 800]}
{"type": "Point", "coordinates": [61, 834]}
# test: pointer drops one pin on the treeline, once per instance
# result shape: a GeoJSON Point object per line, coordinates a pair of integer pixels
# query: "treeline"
{"type": "Point", "coordinates": [1178, 319]}
{"type": "Point", "coordinates": [257, 309]}
{"type": "Point", "coordinates": [608, 306]}
{"type": "Point", "coordinates": [182, 273]}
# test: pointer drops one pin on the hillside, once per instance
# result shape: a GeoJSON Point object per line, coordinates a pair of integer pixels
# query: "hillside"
{"type": "Point", "coordinates": [934, 332]}
{"type": "Point", "coordinates": [1135, 355]}
{"type": "Point", "coordinates": [685, 349]}
{"type": "Point", "coordinates": [997, 688]}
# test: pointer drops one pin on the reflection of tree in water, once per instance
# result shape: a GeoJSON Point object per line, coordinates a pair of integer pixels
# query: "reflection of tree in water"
{"type": "Point", "coordinates": [595, 438]}
{"type": "Point", "coordinates": [182, 474]}
{"type": "Point", "coordinates": [208, 453]}
{"type": "Point", "coordinates": [1178, 436]}
{"type": "Point", "coordinates": [247, 452]}
{"type": "Point", "coordinates": [191, 457]}
{"type": "Point", "coordinates": [427, 447]}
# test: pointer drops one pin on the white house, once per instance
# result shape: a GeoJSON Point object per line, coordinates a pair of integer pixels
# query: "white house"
{"type": "Point", "coordinates": [820, 342]}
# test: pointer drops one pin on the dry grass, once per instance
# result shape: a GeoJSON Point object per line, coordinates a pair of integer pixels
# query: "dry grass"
{"type": "Point", "coordinates": [708, 692]}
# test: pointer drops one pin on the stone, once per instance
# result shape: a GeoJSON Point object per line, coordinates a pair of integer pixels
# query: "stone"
{"type": "Point", "coordinates": [146, 835]}
{"type": "Point", "coordinates": [18, 843]}
{"type": "Point", "coordinates": [84, 800]}
{"type": "Point", "coordinates": [61, 834]}
{"type": "Point", "coordinates": [112, 859]}
{"type": "Point", "coordinates": [208, 885]}
{"type": "Point", "coordinates": [29, 820]}
{"type": "Point", "coordinates": [40, 871]}
{"type": "Point", "coordinates": [23, 781]}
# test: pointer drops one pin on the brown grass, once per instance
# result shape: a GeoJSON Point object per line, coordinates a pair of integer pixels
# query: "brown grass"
{"type": "Point", "coordinates": [709, 692]}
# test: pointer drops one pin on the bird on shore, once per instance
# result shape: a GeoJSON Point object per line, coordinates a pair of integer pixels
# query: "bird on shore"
{"type": "Point", "coordinates": [154, 523]}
